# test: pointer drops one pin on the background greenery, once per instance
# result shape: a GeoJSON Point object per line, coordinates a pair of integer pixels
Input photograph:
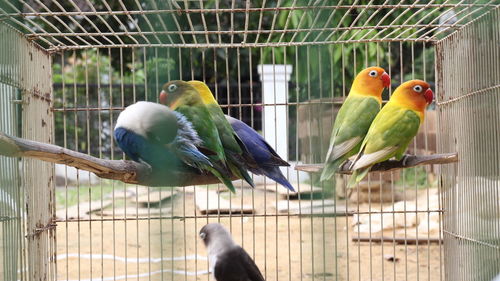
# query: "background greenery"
{"type": "Point", "coordinates": [102, 78]}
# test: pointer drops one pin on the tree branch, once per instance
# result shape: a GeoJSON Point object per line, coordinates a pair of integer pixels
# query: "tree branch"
{"type": "Point", "coordinates": [389, 165]}
{"type": "Point", "coordinates": [122, 170]}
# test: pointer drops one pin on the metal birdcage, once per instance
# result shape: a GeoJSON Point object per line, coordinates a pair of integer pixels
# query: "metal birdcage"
{"type": "Point", "coordinates": [68, 68]}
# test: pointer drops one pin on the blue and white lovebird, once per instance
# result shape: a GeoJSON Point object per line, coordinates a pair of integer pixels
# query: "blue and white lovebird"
{"type": "Point", "coordinates": [164, 139]}
{"type": "Point", "coordinates": [265, 160]}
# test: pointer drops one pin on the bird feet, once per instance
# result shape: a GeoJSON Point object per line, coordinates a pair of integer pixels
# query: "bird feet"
{"type": "Point", "coordinates": [405, 158]}
{"type": "Point", "coordinates": [146, 163]}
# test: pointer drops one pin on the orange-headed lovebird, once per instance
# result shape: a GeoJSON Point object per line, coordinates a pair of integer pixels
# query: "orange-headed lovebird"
{"type": "Point", "coordinates": [354, 117]}
{"type": "Point", "coordinates": [394, 127]}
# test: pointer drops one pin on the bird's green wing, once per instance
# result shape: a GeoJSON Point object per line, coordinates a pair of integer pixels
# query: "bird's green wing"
{"type": "Point", "coordinates": [350, 127]}
{"type": "Point", "coordinates": [226, 132]}
{"type": "Point", "coordinates": [206, 129]}
{"type": "Point", "coordinates": [355, 117]}
{"type": "Point", "coordinates": [232, 148]}
{"type": "Point", "coordinates": [389, 135]}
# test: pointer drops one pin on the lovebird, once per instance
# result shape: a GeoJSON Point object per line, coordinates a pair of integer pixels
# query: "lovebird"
{"type": "Point", "coordinates": [185, 99]}
{"type": "Point", "coordinates": [354, 117]}
{"type": "Point", "coordinates": [263, 159]}
{"type": "Point", "coordinates": [393, 128]}
{"type": "Point", "coordinates": [233, 146]}
{"type": "Point", "coordinates": [164, 139]}
{"type": "Point", "coordinates": [227, 260]}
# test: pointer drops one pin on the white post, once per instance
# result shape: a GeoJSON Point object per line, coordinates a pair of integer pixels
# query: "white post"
{"type": "Point", "coordinates": [275, 80]}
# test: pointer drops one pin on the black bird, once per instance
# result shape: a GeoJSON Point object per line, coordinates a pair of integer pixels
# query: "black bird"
{"type": "Point", "coordinates": [228, 261]}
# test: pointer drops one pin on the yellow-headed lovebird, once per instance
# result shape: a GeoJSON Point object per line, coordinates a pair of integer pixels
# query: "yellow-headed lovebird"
{"type": "Point", "coordinates": [162, 138]}
{"type": "Point", "coordinates": [233, 146]}
{"type": "Point", "coordinates": [354, 117]}
{"type": "Point", "coordinates": [184, 98]}
{"type": "Point", "coordinates": [394, 127]}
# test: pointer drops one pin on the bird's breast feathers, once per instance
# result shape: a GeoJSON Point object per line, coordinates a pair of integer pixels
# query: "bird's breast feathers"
{"type": "Point", "coordinates": [409, 105]}
{"type": "Point", "coordinates": [365, 93]}
{"type": "Point", "coordinates": [212, 260]}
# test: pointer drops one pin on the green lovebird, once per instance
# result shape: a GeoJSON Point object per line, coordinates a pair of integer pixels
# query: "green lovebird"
{"type": "Point", "coordinates": [233, 147]}
{"type": "Point", "coordinates": [393, 128]}
{"type": "Point", "coordinates": [182, 97]}
{"type": "Point", "coordinates": [354, 117]}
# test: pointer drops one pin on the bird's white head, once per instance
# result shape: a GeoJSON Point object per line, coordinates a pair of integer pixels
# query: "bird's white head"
{"type": "Point", "coordinates": [139, 116]}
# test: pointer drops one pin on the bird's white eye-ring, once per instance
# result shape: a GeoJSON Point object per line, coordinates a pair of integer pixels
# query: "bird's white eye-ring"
{"type": "Point", "coordinates": [203, 235]}
{"type": "Point", "coordinates": [373, 73]}
{"type": "Point", "coordinates": [417, 88]}
{"type": "Point", "coordinates": [172, 88]}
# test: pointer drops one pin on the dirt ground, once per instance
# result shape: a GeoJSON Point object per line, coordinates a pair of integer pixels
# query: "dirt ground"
{"type": "Point", "coordinates": [284, 247]}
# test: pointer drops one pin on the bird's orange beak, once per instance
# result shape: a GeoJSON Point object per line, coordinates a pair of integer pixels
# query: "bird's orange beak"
{"type": "Point", "coordinates": [163, 98]}
{"type": "Point", "coordinates": [386, 80]}
{"type": "Point", "coordinates": [429, 95]}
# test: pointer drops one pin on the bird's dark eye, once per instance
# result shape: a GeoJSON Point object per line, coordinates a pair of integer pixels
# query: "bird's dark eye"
{"type": "Point", "coordinates": [417, 88]}
{"type": "Point", "coordinates": [203, 235]}
{"type": "Point", "coordinates": [172, 88]}
{"type": "Point", "coordinates": [373, 73]}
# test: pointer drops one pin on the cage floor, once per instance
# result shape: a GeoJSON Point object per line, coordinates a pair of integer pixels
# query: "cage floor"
{"type": "Point", "coordinates": [143, 249]}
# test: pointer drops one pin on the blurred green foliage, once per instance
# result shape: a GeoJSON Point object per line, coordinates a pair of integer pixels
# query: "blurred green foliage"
{"type": "Point", "coordinates": [118, 76]}
{"type": "Point", "coordinates": [301, 25]}
{"type": "Point", "coordinates": [89, 79]}
{"type": "Point", "coordinates": [415, 177]}
{"type": "Point", "coordinates": [67, 197]}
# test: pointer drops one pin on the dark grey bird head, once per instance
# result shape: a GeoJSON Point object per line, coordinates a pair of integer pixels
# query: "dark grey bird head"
{"type": "Point", "coordinates": [228, 261]}
{"type": "Point", "coordinates": [216, 237]}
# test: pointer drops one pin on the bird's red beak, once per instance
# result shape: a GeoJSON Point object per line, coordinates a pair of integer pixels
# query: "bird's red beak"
{"type": "Point", "coordinates": [163, 98]}
{"type": "Point", "coordinates": [429, 95]}
{"type": "Point", "coordinates": [386, 80]}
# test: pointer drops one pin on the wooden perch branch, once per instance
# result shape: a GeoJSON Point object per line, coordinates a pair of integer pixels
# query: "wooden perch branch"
{"type": "Point", "coordinates": [122, 170]}
{"type": "Point", "coordinates": [389, 165]}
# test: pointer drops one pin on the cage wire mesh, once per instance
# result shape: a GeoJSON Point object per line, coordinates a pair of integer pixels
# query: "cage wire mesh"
{"type": "Point", "coordinates": [26, 195]}
{"type": "Point", "coordinates": [9, 194]}
{"type": "Point", "coordinates": [468, 109]}
{"type": "Point", "coordinates": [283, 67]}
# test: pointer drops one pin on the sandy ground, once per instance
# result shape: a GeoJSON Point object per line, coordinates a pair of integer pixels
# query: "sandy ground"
{"type": "Point", "coordinates": [284, 247]}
